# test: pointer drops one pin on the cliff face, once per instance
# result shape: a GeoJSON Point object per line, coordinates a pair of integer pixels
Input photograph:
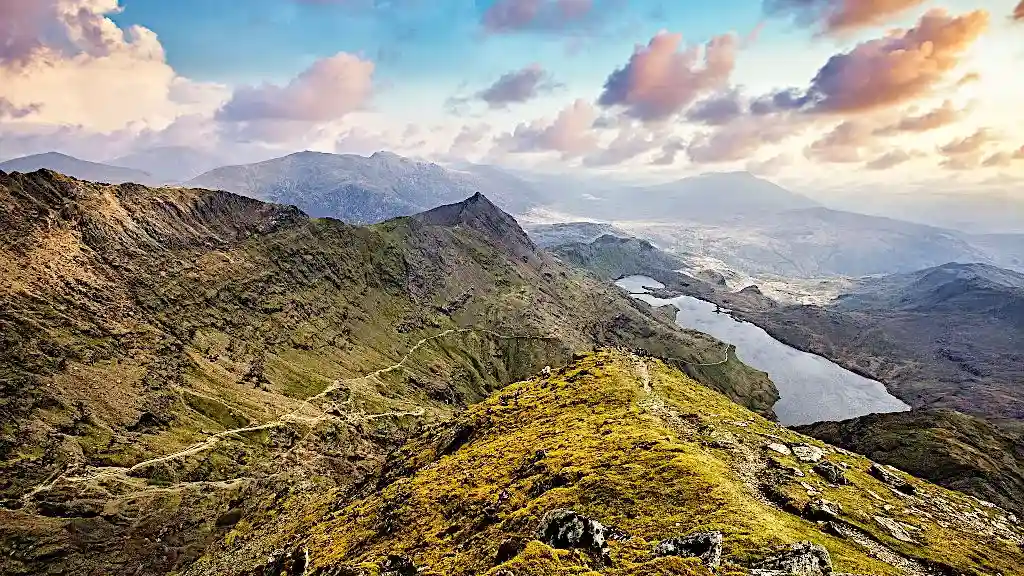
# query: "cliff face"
{"type": "Point", "coordinates": [168, 355]}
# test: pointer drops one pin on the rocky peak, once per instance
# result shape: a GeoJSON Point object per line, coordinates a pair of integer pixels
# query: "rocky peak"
{"type": "Point", "coordinates": [480, 214]}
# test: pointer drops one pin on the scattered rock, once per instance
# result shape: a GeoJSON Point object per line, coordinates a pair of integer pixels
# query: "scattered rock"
{"type": "Point", "coordinates": [566, 529]}
{"type": "Point", "coordinates": [831, 472]}
{"type": "Point", "coordinates": [285, 563]}
{"type": "Point", "coordinates": [704, 545]}
{"type": "Point", "coordinates": [507, 550]}
{"type": "Point", "coordinates": [808, 453]}
{"type": "Point", "coordinates": [891, 478]}
{"type": "Point", "coordinates": [824, 510]}
{"type": "Point", "coordinates": [894, 528]}
{"type": "Point", "coordinates": [800, 559]}
{"type": "Point", "coordinates": [397, 565]}
{"type": "Point", "coordinates": [780, 448]}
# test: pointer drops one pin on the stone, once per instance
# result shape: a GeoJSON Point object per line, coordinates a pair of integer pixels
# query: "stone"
{"type": "Point", "coordinates": [567, 529]}
{"type": "Point", "coordinates": [799, 559]}
{"type": "Point", "coordinates": [707, 546]}
{"type": "Point", "coordinates": [891, 478]}
{"type": "Point", "coordinates": [824, 510]}
{"type": "Point", "coordinates": [831, 472]}
{"type": "Point", "coordinates": [894, 528]}
{"type": "Point", "coordinates": [397, 565]}
{"type": "Point", "coordinates": [780, 448]}
{"type": "Point", "coordinates": [808, 453]}
{"type": "Point", "coordinates": [286, 563]}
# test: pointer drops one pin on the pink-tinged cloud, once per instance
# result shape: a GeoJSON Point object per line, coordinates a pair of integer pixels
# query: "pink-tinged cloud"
{"type": "Point", "coordinates": [967, 153]}
{"type": "Point", "coordinates": [902, 66]}
{"type": "Point", "coordinates": [9, 111]}
{"type": "Point", "coordinates": [839, 16]}
{"type": "Point", "coordinates": [505, 16]}
{"type": "Point", "coordinates": [630, 142]}
{"type": "Point", "coordinates": [1004, 159]}
{"type": "Point", "coordinates": [1018, 12]}
{"type": "Point", "coordinates": [846, 143]}
{"type": "Point", "coordinates": [571, 133]}
{"type": "Point", "coordinates": [742, 139]}
{"type": "Point", "coordinates": [940, 117]}
{"type": "Point", "coordinates": [327, 90]}
{"type": "Point", "coordinates": [892, 159]}
{"type": "Point", "coordinates": [517, 87]}
{"type": "Point", "coordinates": [661, 79]}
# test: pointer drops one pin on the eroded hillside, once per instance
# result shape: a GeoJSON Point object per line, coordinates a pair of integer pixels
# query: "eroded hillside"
{"type": "Point", "coordinates": [171, 356]}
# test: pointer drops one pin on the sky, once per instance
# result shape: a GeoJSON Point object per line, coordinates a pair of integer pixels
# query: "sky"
{"type": "Point", "coordinates": [907, 94]}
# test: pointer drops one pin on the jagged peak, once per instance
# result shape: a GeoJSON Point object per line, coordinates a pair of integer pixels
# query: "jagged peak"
{"type": "Point", "coordinates": [478, 213]}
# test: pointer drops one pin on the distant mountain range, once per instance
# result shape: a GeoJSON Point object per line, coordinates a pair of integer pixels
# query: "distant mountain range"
{"type": "Point", "coordinates": [170, 164]}
{"type": "Point", "coordinates": [361, 189]}
{"type": "Point", "coordinates": [81, 169]}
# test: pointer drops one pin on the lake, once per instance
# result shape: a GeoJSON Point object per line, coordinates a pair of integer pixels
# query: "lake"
{"type": "Point", "coordinates": [812, 388]}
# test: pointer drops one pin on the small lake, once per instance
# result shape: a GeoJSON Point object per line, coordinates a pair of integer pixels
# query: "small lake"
{"type": "Point", "coordinates": [812, 388]}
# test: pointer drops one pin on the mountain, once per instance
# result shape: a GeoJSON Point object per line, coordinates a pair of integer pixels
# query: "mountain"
{"type": "Point", "coordinates": [954, 450]}
{"type": "Point", "coordinates": [619, 465]}
{"type": "Point", "coordinates": [78, 168]}
{"type": "Point", "coordinates": [551, 235]}
{"type": "Point", "coordinates": [358, 189]}
{"type": "Point", "coordinates": [172, 357]}
{"type": "Point", "coordinates": [815, 242]}
{"type": "Point", "coordinates": [170, 164]}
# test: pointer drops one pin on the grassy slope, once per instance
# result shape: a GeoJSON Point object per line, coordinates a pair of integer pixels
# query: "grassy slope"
{"type": "Point", "coordinates": [654, 462]}
{"type": "Point", "coordinates": [141, 322]}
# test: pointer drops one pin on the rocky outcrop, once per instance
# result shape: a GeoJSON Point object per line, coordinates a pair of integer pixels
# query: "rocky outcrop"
{"type": "Point", "coordinates": [807, 453]}
{"type": "Point", "coordinates": [568, 530]}
{"type": "Point", "coordinates": [707, 546]}
{"type": "Point", "coordinates": [800, 559]}
{"type": "Point", "coordinates": [832, 472]}
{"type": "Point", "coordinates": [891, 478]}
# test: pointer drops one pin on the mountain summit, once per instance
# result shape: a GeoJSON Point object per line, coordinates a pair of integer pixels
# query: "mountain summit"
{"type": "Point", "coordinates": [480, 214]}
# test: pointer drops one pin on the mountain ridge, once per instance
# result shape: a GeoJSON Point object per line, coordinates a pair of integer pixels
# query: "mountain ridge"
{"type": "Point", "coordinates": [86, 170]}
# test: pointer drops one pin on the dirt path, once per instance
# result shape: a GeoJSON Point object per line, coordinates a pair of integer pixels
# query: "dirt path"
{"type": "Point", "coordinates": [94, 474]}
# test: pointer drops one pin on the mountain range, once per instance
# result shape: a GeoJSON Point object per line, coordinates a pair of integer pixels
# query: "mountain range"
{"type": "Point", "coordinates": [71, 166]}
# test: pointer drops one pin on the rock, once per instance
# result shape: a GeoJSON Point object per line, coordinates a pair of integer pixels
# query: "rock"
{"type": "Point", "coordinates": [704, 545]}
{"type": "Point", "coordinates": [808, 453]}
{"type": "Point", "coordinates": [800, 559]}
{"type": "Point", "coordinates": [546, 372]}
{"type": "Point", "coordinates": [780, 448]}
{"type": "Point", "coordinates": [831, 472]}
{"type": "Point", "coordinates": [824, 510]}
{"type": "Point", "coordinates": [285, 563]}
{"type": "Point", "coordinates": [397, 565]}
{"type": "Point", "coordinates": [894, 528]}
{"type": "Point", "coordinates": [566, 529]}
{"type": "Point", "coordinates": [891, 478]}
{"type": "Point", "coordinates": [507, 550]}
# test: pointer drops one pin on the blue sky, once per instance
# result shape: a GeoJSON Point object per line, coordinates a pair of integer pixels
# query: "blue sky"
{"type": "Point", "coordinates": [263, 77]}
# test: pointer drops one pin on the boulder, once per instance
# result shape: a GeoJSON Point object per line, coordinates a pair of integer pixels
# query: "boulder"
{"type": "Point", "coordinates": [894, 528]}
{"type": "Point", "coordinates": [566, 530]}
{"type": "Point", "coordinates": [800, 559]}
{"type": "Point", "coordinates": [832, 472]}
{"type": "Point", "coordinates": [808, 453]}
{"type": "Point", "coordinates": [891, 478]}
{"type": "Point", "coordinates": [780, 448]}
{"type": "Point", "coordinates": [823, 510]}
{"type": "Point", "coordinates": [704, 545]}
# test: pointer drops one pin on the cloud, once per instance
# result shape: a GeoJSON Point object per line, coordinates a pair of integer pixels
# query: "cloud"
{"type": "Point", "coordinates": [742, 139]}
{"type": "Point", "coordinates": [506, 16]}
{"type": "Point", "coordinates": [892, 159]}
{"type": "Point", "coordinates": [669, 151]}
{"type": "Point", "coordinates": [570, 134]}
{"type": "Point", "coordinates": [769, 166]}
{"type": "Point", "coordinates": [717, 110]}
{"type": "Point", "coordinates": [1004, 158]}
{"type": "Point", "coordinates": [660, 80]}
{"type": "Point", "coordinates": [9, 110]}
{"type": "Point", "coordinates": [940, 117]}
{"type": "Point", "coordinates": [966, 153]}
{"type": "Point", "coordinates": [844, 144]}
{"type": "Point", "coordinates": [902, 66]}
{"type": "Point", "coordinates": [327, 90]}
{"type": "Point", "coordinates": [517, 86]}
{"type": "Point", "coordinates": [839, 16]}
{"type": "Point", "coordinates": [469, 140]}
{"type": "Point", "coordinates": [1018, 12]}
{"type": "Point", "coordinates": [69, 58]}
{"type": "Point", "coordinates": [630, 142]}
